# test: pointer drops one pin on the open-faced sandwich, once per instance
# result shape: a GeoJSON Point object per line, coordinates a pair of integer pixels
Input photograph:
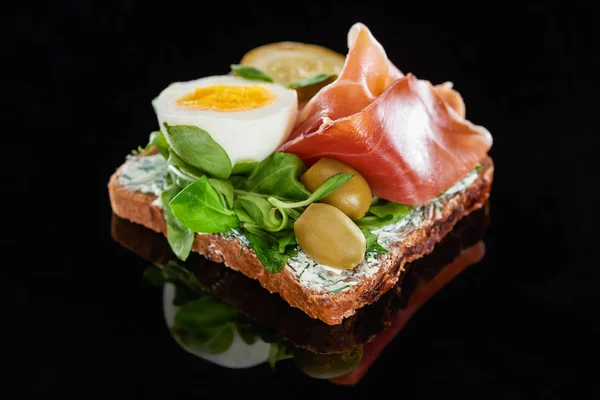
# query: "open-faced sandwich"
{"type": "Point", "coordinates": [321, 176]}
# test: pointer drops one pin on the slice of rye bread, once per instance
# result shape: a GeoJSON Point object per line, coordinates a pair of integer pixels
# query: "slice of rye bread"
{"type": "Point", "coordinates": [330, 308]}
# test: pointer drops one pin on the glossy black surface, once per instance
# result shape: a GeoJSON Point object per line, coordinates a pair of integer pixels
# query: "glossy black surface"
{"type": "Point", "coordinates": [80, 322]}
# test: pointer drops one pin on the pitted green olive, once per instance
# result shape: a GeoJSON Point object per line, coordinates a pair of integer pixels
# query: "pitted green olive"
{"type": "Point", "coordinates": [327, 366]}
{"type": "Point", "coordinates": [329, 237]}
{"type": "Point", "coordinates": [353, 197]}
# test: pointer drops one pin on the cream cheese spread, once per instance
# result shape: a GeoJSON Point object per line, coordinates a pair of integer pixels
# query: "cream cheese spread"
{"type": "Point", "coordinates": [149, 175]}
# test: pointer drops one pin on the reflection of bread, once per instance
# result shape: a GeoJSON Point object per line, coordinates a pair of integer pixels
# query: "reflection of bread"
{"type": "Point", "coordinates": [331, 308]}
{"type": "Point", "coordinates": [249, 298]}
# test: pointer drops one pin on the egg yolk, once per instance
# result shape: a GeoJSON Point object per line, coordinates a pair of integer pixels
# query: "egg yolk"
{"type": "Point", "coordinates": [227, 98]}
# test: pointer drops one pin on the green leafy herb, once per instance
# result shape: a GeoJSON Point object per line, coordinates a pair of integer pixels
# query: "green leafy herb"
{"type": "Point", "coordinates": [324, 190]}
{"type": "Point", "coordinates": [261, 212]}
{"type": "Point", "coordinates": [198, 149]}
{"type": "Point", "coordinates": [191, 173]}
{"type": "Point", "coordinates": [187, 287]}
{"type": "Point", "coordinates": [285, 239]}
{"type": "Point", "coordinates": [205, 324]}
{"type": "Point", "coordinates": [279, 351]}
{"type": "Point", "coordinates": [267, 251]}
{"type": "Point", "coordinates": [310, 81]}
{"type": "Point", "coordinates": [478, 166]}
{"type": "Point", "coordinates": [383, 214]}
{"type": "Point", "coordinates": [199, 207]}
{"type": "Point", "coordinates": [372, 245]}
{"type": "Point", "coordinates": [251, 73]}
{"type": "Point", "coordinates": [174, 273]}
{"type": "Point", "coordinates": [157, 139]}
{"type": "Point", "coordinates": [225, 189]}
{"type": "Point", "coordinates": [277, 176]}
{"type": "Point", "coordinates": [180, 238]}
{"type": "Point", "coordinates": [245, 168]}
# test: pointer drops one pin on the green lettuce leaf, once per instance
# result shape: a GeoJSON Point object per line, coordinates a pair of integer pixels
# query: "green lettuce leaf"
{"type": "Point", "coordinates": [277, 175]}
{"type": "Point", "coordinates": [200, 208]}
{"type": "Point", "coordinates": [373, 247]}
{"type": "Point", "coordinates": [225, 189]}
{"type": "Point", "coordinates": [266, 248]}
{"type": "Point", "coordinates": [157, 139]}
{"type": "Point", "coordinates": [251, 73]}
{"type": "Point", "coordinates": [197, 148]}
{"type": "Point", "coordinates": [261, 213]}
{"type": "Point", "coordinates": [383, 214]}
{"type": "Point", "coordinates": [313, 80]}
{"type": "Point", "coordinates": [180, 238]}
{"type": "Point", "coordinates": [245, 168]}
{"type": "Point", "coordinates": [324, 190]}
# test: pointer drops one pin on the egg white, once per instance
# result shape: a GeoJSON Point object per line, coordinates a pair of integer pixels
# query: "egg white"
{"type": "Point", "coordinates": [245, 135]}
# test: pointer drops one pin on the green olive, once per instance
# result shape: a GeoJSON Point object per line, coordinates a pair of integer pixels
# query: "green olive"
{"type": "Point", "coordinates": [329, 237]}
{"type": "Point", "coordinates": [353, 197]}
{"type": "Point", "coordinates": [326, 366]}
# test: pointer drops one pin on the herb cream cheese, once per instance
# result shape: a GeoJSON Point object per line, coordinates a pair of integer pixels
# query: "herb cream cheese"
{"type": "Point", "coordinates": [149, 175]}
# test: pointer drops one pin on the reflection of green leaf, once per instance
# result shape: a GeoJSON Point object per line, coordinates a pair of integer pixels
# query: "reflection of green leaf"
{"type": "Point", "coordinates": [184, 294]}
{"type": "Point", "coordinates": [279, 351]}
{"type": "Point", "coordinates": [176, 273]}
{"type": "Point", "coordinates": [154, 275]}
{"type": "Point", "coordinates": [204, 313]}
{"type": "Point", "coordinates": [205, 324]}
{"type": "Point", "coordinates": [214, 340]}
{"type": "Point", "coordinates": [247, 331]}
{"type": "Point", "coordinates": [187, 287]}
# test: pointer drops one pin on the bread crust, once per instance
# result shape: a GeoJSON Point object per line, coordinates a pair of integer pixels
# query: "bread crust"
{"type": "Point", "coordinates": [330, 308]}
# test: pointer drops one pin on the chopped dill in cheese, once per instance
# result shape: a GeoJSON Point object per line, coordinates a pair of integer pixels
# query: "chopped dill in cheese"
{"type": "Point", "coordinates": [148, 175]}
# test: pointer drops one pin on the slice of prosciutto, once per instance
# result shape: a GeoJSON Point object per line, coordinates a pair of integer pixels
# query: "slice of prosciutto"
{"type": "Point", "coordinates": [408, 138]}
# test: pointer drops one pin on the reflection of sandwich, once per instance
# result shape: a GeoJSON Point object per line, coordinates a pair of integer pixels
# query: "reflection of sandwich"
{"type": "Point", "coordinates": [324, 203]}
{"type": "Point", "coordinates": [223, 316]}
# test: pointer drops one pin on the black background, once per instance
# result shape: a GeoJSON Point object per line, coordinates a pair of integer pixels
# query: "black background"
{"type": "Point", "coordinates": [80, 76]}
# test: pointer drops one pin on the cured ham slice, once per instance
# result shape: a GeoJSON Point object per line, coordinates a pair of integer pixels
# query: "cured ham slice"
{"type": "Point", "coordinates": [408, 138]}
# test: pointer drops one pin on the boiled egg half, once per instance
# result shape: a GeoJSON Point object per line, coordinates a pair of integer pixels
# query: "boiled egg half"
{"type": "Point", "coordinates": [249, 119]}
